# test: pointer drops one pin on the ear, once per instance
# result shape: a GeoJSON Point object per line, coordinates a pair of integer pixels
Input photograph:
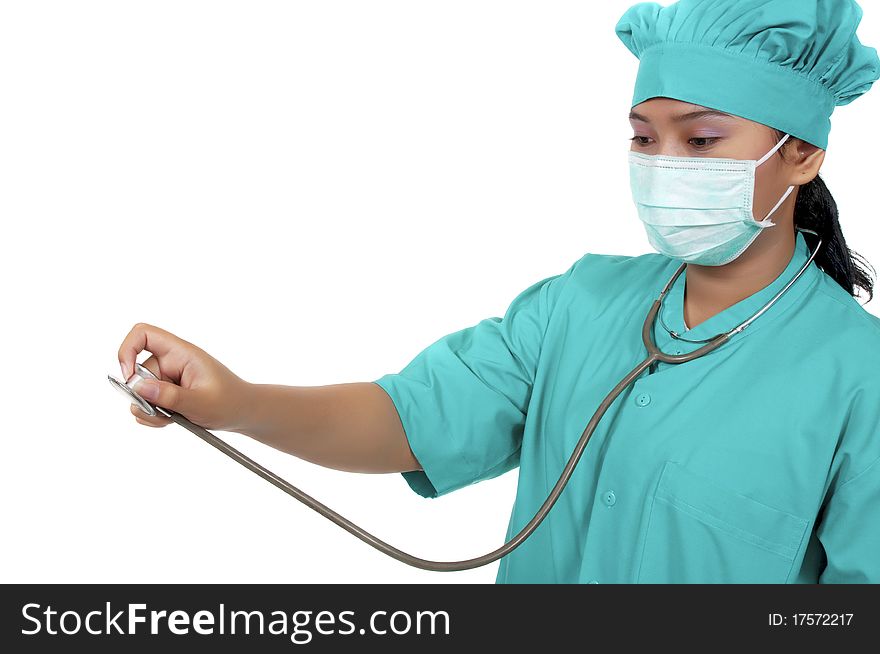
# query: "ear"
{"type": "Point", "coordinates": [804, 160]}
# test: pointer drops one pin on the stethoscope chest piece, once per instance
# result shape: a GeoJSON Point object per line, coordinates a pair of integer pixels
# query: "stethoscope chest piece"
{"type": "Point", "coordinates": [127, 387]}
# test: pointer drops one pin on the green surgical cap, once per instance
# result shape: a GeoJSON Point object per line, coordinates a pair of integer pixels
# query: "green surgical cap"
{"type": "Point", "coordinates": [783, 63]}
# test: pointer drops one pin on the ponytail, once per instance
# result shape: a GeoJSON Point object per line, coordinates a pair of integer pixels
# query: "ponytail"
{"type": "Point", "coordinates": [815, 209]}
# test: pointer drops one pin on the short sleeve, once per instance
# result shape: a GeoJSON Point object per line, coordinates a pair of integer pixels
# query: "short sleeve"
{"type": "Point", "coordinates": [849, 522]}
{"type": "Point", "coordinates": [462, 400]}
{"type": "Point", "coordinates": [850, 531]}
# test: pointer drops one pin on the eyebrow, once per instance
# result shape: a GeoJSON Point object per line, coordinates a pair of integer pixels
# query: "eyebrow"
{"type": "Point", "coordinates": [680, 118]}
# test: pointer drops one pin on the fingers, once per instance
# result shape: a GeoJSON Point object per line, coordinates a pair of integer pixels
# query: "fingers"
{"type": "Point", "coordinates": [163, 344]}
{"type": "Point", "coordinates": [167, 395]}
{"type": "Point", "coordinates": [152, 364]}
{"type": "Point", "coordinates": [150, 421]}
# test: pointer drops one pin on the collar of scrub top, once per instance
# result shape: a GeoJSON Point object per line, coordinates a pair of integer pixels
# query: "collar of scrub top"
{"type": "Point", "coordinates": [673, 304]}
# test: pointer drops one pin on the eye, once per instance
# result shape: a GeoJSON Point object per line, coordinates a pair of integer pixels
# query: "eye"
{"type": "Point", "coordinates": [702, 146]}
{"type": "Point", "coordinates": [702, 142]}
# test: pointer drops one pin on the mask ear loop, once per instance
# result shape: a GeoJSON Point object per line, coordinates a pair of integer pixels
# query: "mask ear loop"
{"type": "Point", "coordinates": [765, 221]}
{"type": "Point", "coordinates": [772, 150]}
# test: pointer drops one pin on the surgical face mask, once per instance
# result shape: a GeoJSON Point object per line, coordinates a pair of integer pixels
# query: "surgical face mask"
{"type": "Point", "coordinates": [698, 209]}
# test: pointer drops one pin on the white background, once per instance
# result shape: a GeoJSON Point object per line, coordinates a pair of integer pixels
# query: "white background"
{"type": "Point", "coordinates": [312, 192]}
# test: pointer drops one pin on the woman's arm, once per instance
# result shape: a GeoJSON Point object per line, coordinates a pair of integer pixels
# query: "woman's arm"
{"type": "Point", "coordinates": [849, 530]}
{"type": "Point", "coordinates": [353, 427]}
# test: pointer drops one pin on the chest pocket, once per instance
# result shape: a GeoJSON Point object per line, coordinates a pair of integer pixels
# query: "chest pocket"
{"type": "Point", "coordinates": [700, 532]}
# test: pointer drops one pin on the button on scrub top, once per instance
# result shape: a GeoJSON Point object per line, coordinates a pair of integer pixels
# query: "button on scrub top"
{"type": "Point", "coordinates": [759, 462]}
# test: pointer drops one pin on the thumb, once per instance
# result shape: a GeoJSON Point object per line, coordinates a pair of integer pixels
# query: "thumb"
{"type": "Point", "coordinates": [165, 394]}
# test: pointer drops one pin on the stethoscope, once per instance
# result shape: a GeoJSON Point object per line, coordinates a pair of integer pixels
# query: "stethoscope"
{"type": "Point", "coordinates": [654, 354]}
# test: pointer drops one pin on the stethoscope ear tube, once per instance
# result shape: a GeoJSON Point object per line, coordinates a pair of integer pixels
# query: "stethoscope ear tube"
{"type": "Point", "coordinates": [656, 354]}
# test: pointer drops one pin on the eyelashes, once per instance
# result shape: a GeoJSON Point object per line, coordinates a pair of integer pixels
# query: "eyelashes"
{"type": "Point", "coordinates": [709, 141]}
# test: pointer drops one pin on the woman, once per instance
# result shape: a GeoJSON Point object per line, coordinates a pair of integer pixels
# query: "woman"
{"type": "Point", "coordinates": [758, 462]}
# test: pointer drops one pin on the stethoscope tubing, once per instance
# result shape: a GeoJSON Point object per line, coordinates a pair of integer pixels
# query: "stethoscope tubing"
{"type": "Point", "coordinates": [654, 354]}
{"type": "Point", "coordinates": [452, 566]}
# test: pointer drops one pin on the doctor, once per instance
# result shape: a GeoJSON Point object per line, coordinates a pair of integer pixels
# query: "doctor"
{"type": "Point", "coordinates": [759, 462]}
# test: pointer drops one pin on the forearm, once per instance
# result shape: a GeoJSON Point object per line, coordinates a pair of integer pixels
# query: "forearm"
{"type": "Point", "coordinates": [352, 427]}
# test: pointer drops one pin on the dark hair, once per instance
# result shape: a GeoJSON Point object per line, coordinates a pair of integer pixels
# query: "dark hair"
{"type": "Point", "coordinates": [815, 209]}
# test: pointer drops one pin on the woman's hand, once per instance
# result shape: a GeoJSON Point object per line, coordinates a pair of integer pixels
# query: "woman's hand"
{"type": "Point", "coordinates": [194, 384]}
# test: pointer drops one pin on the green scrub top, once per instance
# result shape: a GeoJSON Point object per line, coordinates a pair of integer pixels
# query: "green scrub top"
{"type": "Point", "coordinates": [757, 462]}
